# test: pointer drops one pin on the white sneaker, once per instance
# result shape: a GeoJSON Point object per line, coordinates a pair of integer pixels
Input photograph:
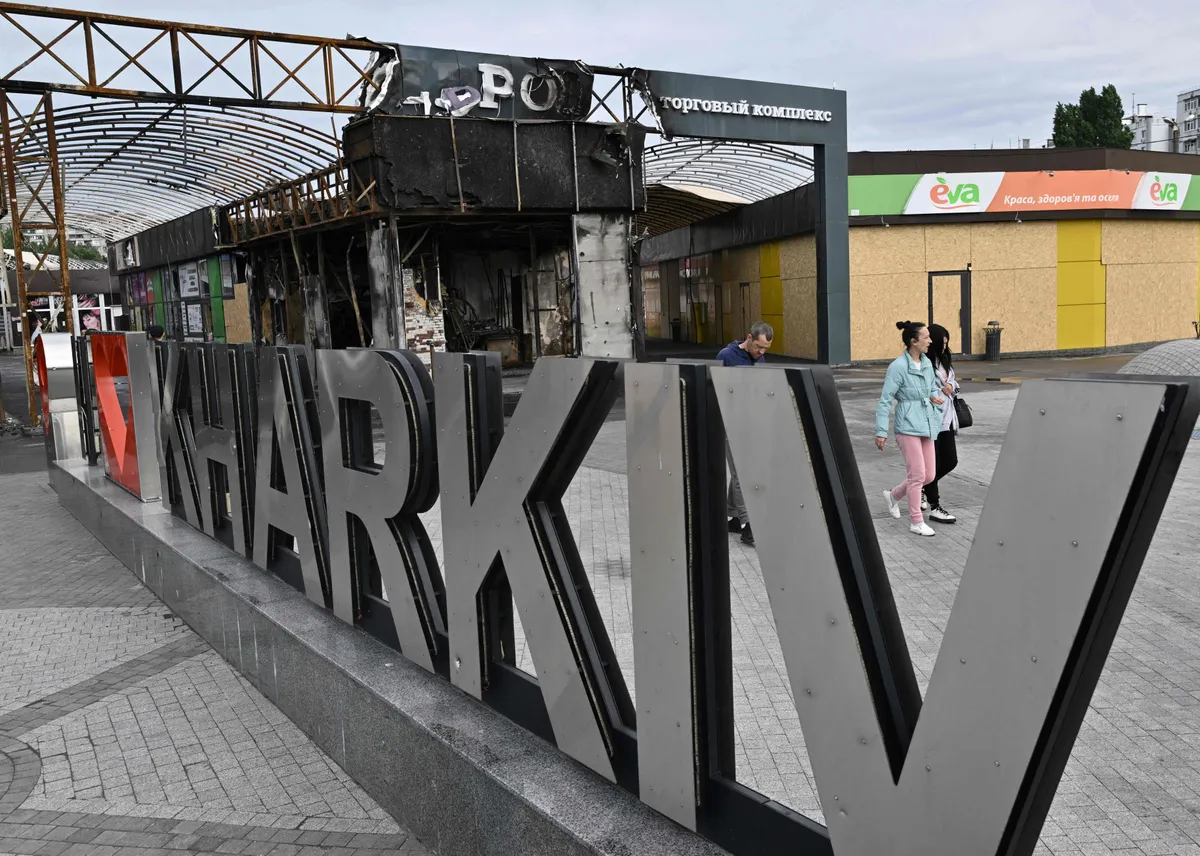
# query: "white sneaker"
{"type": "Point", "coordinates": [924, 502]}
{"type": "Point", "coordinates": [921, 528]}
{"type": "Point", "coordinates": [893, 506]}
{"type": "Point", "coordinates": [941, 515]}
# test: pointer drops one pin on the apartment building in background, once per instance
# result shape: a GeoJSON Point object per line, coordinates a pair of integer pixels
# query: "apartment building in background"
{"type": "Point", "coordinates": [1157, 132]}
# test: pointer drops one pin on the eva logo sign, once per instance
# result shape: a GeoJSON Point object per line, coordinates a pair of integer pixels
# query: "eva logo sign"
{"type": "Point", "coordinates": [960, 196]}
{"type": "Point", "coordinates": [1163, 191]}
{"type": "Point", "coordinates": [959, 193]}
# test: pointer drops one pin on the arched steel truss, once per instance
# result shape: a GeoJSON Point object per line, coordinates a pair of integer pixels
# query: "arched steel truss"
{"type": "Point", "coordinates": [747, 171]}
{"type": "Point", "coordinates": [126, 166]}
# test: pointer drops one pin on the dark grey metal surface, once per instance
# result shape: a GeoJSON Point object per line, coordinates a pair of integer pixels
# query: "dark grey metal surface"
{"type": "Point", "coordinates": [821, 124]}
{"type": "Point", "coordinates": [176, 444]}
{"type": "Point", "coordinates": [465, 780]}
{"type": "Point", "coordinates": [661, 575]}
{"type": "Point", "coordinates": [717, 124]}
{"type": "Point", "coordinates": [217, 441]}
{"type": "Point", "coordinates": [494, 524]}
{"type": "Point", "coordinates": [411, 80]}
{"type": "Point", "coordinates": [142, 399]}
{"type": "Point", "coordinates": [1024, 591]}
{"type": "Point", "coordinates": [381, 497]}
{"type": "Point", "coordinates": [300, 510]}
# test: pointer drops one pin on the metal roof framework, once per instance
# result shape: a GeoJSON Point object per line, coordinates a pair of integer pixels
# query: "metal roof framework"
{"type": "Point", "coordinates": [126, 167]}
{"type": "Point", "coordinates": [681, 176]}
{"type": "Point", "coordinates": [749, 172]}
{"type": "Point", "coordinates": [185, 124]}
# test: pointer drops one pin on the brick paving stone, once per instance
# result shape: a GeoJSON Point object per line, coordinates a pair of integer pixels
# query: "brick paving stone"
{"type": "Point", "coordinates": [1133, 780]}
{"type": "Point", "coordinates": [122, 732]}
{"type": "Point", "coordinates": [1131, 785]}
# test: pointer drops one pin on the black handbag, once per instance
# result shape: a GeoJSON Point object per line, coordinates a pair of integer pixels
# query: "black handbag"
{"type": "Point", "coordinates": [963, 411]}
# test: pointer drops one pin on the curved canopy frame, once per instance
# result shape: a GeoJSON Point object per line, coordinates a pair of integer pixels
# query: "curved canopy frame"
{"type": "Point", "coordinates": [129, 166]}
{"type": "Point", "coordinates": [689, 180]}
{"type": "Point", "coordinates": [747, 172]}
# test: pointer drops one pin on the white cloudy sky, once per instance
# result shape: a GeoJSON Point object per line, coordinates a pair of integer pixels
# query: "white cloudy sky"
{"type": "Point", "coordinates": [919, 73]}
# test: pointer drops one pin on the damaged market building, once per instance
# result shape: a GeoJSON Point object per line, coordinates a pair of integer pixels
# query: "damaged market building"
{"type": "Point", "coordinates": [478, 202]}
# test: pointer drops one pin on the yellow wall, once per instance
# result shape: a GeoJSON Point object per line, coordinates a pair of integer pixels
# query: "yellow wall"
{"type": "Point", "coordinates": [771, 293]}
{"type": "Point", "coordinates": [1052, 285]}
{"type": "Point", "coordinates": [1082, 285]}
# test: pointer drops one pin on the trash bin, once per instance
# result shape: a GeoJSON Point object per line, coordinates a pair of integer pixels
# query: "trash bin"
{"type": "Point", "coordinates": [992, 340]}
{"type": "Point", "coordinates": [676, 330]}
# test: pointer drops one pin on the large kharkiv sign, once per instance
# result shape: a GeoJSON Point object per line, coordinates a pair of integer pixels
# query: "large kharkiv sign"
{"type": "Point", "coordinates": [275, 456]}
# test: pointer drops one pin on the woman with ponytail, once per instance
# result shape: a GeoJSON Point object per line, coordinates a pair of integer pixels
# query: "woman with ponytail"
{"type": "Point", "coordinates": [911, 383]}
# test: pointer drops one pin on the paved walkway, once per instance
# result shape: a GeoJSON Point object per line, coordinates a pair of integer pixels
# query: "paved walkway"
{"type": "Point", "coordinates": [1133, 783]}
{"type": "Point", "coordinates": [117, 723]}
{"type": "Point", "coordinates": [123, 732]}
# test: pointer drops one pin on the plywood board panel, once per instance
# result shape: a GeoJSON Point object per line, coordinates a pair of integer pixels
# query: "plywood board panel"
{"type": "Point", "coordinates": [1011, 245]}
{"type": "Point", "coordinates": [877, 302]}
{"type": "Point", "coordinates": [1036, 290]}
{"type": "Point", "coordinates": [237, 315]}
{"type": "Point", "coordinates": [1080, 241]}
{"type": "Point", "coordinates": [1150, 303]}
{"type": "Point", "coordinates": [1081, 326]}
{"type": "Point", "coordinates": [1149, 242]}
{"type": "Point", "coordinates": [1080, 283]}
{"type": "Point", "coordinates": [741, 264]}
{"type": "Point", "coordinates": [798, 257]}
{"type": "Point", "coordinates": [800, 317]}
{"type": "Point", "coordinates": [737, 324]}
{"type": "Point", "coordinates": [756, 309]}
{"type": "Point", "coordinates": [948, 246]}
{"type": "Point", "coordinates": [886, 250]}
{"type": "Point", "coordinates": [1025, 302]}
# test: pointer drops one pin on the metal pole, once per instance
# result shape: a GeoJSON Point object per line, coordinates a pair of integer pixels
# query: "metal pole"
{"type": "Point", "coordinates": [64, 262]}
{"type": "Point", "coordinates": [10, 169]}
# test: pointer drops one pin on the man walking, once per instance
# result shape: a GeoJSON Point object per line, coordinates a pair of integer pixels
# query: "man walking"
{"type": "Point", "coordinates": [751, 351]}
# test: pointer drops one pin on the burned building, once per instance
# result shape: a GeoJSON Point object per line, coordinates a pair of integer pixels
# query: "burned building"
{"type": "Point", "coordinates": [479, 202]}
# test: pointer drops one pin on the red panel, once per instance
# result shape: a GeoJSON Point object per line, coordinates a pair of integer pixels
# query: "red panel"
{"type": "Point", "coordinates": [39, 354]}
{"type": "Point", "coordinates": [110, 358]}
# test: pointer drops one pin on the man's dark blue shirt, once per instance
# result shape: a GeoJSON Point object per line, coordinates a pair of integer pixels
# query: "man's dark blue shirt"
{"type": "Point", "coordinates": [733, 355]}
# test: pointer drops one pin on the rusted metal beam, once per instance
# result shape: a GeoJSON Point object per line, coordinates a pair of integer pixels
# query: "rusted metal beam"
{"type": "Point", "coordinates": [60, 220]}
{"type": "Point", "coordinates": [44, 160]}
{"type": "Point", "coordinates": [10, 174]}
{"type": "Point", "coordinates": [329, 89]}
{"type": "Point", "coordinates": [323, 196]}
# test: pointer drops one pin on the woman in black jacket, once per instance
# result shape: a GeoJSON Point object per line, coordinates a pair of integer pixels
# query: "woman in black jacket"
{"type": "Point", "coordinates": [944, 447]}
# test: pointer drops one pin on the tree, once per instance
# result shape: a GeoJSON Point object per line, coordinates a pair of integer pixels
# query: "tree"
{"type": "Point", "coordinates": [1097, 120]}
{"type": "Point", "coordinates": [85, 252]}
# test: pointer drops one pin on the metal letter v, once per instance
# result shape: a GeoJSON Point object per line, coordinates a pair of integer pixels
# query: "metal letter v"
{"type": "Point", "coordinates": [1078, 489]}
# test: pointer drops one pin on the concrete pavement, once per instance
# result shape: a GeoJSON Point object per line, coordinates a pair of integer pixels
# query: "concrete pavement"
{"type": "Point", "coordinates": [118, 723]}
{"type": "Point", "coordinates": [122, 733]}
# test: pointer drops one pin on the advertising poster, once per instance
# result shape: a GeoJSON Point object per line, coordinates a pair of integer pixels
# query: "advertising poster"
{"type": "Point", "coordinates": [189, 281]}
{"type": "Point", "coordinates": [194, 321]}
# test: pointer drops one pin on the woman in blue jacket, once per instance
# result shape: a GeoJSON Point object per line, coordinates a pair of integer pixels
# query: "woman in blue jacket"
{"type": "Point", "coordinates": [910, 381]}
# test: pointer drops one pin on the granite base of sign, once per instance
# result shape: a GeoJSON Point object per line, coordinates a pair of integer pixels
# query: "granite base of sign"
{"type": "Point", "coordinates": [461, 777]}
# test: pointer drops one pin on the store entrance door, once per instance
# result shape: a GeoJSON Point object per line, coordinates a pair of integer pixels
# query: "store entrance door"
{"type": "Point", "coordinates": [950, 306]}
